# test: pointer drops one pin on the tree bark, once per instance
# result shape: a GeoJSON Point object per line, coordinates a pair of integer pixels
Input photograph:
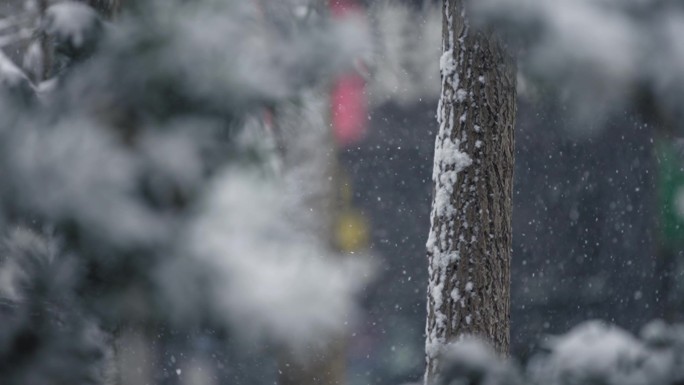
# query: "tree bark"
{"type": "Point", "coordinates": [469, 245]}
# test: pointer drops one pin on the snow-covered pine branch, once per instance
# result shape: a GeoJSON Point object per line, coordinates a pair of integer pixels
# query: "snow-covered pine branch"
{"type": "Point", "coordinates": [405, 61]}
{"type": "Point", "coordinates": [131, 162]}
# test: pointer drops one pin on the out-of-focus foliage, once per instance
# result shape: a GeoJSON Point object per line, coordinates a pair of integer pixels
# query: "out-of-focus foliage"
{"type": "Point", "coordinates": [597, 56]}
{"type": "Point", "coordinates": [405, 63]}
{"type": "Point", "coordinates": [138, 196]}
{"type": "Point", "coordinates": [592, 353]}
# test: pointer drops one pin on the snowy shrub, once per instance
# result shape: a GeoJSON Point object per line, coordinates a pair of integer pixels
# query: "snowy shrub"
{"type": "Point", "coordinates": [615, 51]}
{"type": "Point", "coordinates": [405, 60]}
{"type": "Point", "coordinates": [129, 201]}
{"type": "Point", "coordinates": [592, 353]}
{"type": "Point", "coordinates": [472, 362]}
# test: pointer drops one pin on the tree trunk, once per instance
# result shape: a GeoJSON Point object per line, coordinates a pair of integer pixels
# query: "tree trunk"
{"type": "Point", "coordinates": [469, 245]}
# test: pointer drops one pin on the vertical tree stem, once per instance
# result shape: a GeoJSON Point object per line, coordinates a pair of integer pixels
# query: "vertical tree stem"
{"type": "Point", "coordinates": [469, 245]}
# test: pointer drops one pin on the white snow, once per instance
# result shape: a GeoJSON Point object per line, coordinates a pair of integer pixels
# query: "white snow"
{"type": "Point", "coordinates": [461, 95]}
{"type": "Point", "coordinates": [407, 55]}
{"type": "Point", "coordinates": [447, 64]}
{"type": "Point", "coordinates": [449, 162]}
{"type": "Point", "coordinates": [10, 74]}
{"type": "Point", "coordinates": [455, 295]}
{"type": "Point", "coordinates": [70, 21]}
{"type": "Point", "coordinates": [269, 279]}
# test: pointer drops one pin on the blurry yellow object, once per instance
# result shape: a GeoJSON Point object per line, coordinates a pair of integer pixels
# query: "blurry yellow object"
{"type": "Point", "coordinates": [351, 231]}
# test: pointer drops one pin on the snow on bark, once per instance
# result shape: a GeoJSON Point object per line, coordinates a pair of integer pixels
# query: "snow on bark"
{"type": "Point", "coordinates": [449, 161]}
{"type": "Point", "coordinates": [468, 245]}
{"type": "Point", "coordinates": [268, 279]}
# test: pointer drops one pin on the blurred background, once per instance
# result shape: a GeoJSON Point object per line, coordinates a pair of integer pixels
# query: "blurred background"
{"type": "Point", "coordinates": [597, 220]}
{"type": "Point", "coordinates": [596, 229]}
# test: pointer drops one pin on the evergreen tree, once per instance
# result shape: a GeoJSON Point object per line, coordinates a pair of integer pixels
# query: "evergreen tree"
{"type": "Point", "coordinates": [138, 194]}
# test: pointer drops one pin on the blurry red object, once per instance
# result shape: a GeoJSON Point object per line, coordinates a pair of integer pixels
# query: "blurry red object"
{"type": "Point", "coordinates": [342, 7]}
{"type": "Point", "coordinates": [349, 109]}
{"type": "Point", "coordinates": [348, 98]}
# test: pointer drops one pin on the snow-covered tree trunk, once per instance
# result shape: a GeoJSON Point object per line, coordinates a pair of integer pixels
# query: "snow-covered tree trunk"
{"type": "Point", "coordinates": [469, 245]}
